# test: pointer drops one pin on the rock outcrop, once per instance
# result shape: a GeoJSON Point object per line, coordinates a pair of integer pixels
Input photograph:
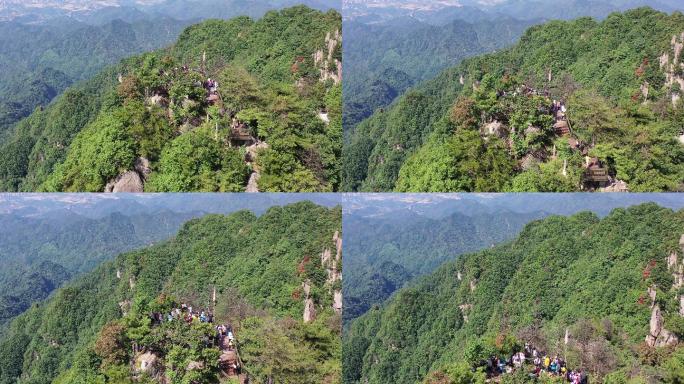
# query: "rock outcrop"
{"type": "Point", "coordinates": [337, 301]}
{"type": "Point", "coordinates": [148, 363]}
{"type": "Point", "coordinates": [330, 66]}
{"type": "Point", "coordinates": [253, 183]}
{"type": "Point", "coordinates": [128, 181]}
{"type": "Point", "coordinates": [132, 181]}
{"type": "Point", "coordinates": [465, 309]}
{"type": "Point", "coordinates": [494, 128]}
{"type": "Point", "coordinates": [616, 186]}
{"type": "Point", "coordinates": [659, 336]}
{"type": "Point", "coordinates": [671, 63]}
{"type": "Point", "coordinates": [309, 310]}
{"type": "Point", "coordinates": [332, 265]}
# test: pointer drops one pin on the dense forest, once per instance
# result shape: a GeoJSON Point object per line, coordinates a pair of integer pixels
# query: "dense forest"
{"type": "Point", "coordinates": [232, 104]}
{"type": "Point", "coordinates": [275, 279]}
{"type": "Point", "coordinates": [40, 61]}
{"type": "Point", "coordinates": [384, 253]}
{"type": "Point", "coordinates": [384, 60]}
{"type": "Point", "coordinates": [38, 253]}
{"type": "Point", "coordinates": [579, 287]}
{"type": "Point", "coordinates": [491, 124]}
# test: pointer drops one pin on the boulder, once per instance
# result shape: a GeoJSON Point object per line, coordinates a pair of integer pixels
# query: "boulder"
{"type": "Point", "coordinates": [148, 363]}
{"type": "Point", "coordinates": [528, 162]}
{"type": "Point", "coordinates": [495, 128]}
{"type": "Point", "coordinates": [532, 130]}
{"type": "Point", "coordinates": [129, 181]}
{"type": "Point", "coordinates": [616, 186]}
{"type": "Point", "coordinates": [158, 100]}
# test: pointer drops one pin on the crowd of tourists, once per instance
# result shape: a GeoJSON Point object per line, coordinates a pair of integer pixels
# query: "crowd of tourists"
{"type": "Point", "coordinates": [537, 364]}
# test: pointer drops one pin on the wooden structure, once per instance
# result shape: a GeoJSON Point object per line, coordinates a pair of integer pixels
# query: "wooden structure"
{"type": "Point", "coordinates": [561, 128]}
{"type": "Point", "coordinates": [241, 135]}
{"type": "Point", "coordinates": [595, 175]}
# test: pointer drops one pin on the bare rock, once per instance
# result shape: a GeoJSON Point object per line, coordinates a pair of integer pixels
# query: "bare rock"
{"type": "Point", "coordinates": [309, 310]}
{"type": "Point", "coordinates": [129, 181]}
{"type": "Point", "coordinates": [142, 166]}
{"type": "Point", "coordinates": [253, 151]}
{"type": "Point", "coordinates": [158, 100]}
{"type": "Point", "coordinates": [337, 301]}
{"type": "Point", "coordinates": [465, 309]}
{"type": "Point", "coordinates": [495, 128]}
{"type": "Point", "coordinates": [616, 186]}
{"type": "Point", "coordinates": [528, 162]}
{"type": "Point", "coordinates": [644, 90]}
{"type": "Point", "coordinates": [148, 363]}
{"type": "Point", "coordinates": [659, 336]}
{"type": "Point", "coordinates": [125, 307]}
{"type": "Point", "coordinates": [253, 183]}
{"type": "Point", "coordinates": [337, 239]}
{"type": "Point", "coordinates": [652, 294]}
{"type": "Point", "coordinates": [664, 60]}
{"type": "Point", "coordinates": [672, 260]}
{"type": "Point", "coordinates": [326, 256]}
{"type": "Point", "coordinates": [532, 130]}
{"type": "Point", "coordinates": [195, 366]}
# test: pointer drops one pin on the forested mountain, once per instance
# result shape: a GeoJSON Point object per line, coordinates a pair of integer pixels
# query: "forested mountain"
{"type": "Point", "coordinates": [40, 61]}
{"type": "Point", "coordinates": [382, 254]}
{"type": "Point", "coordinates": [384, 60]}
{"type": "Point", "coordinates": [579, 287]}
{"type": "Point", "coordinates": [40, 252]}
{"type": "Point", "coordinates": [488, 124]}
{"type": "Point", "coordinates": [275, 279]}
{"type": "Point", "coordinates": [230, 101]}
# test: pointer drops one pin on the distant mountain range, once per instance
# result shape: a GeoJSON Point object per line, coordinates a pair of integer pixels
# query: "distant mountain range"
{"type": "Point", "coordinates": [442, 11]}
{"type": "Point", "coordinates": [97, 10]}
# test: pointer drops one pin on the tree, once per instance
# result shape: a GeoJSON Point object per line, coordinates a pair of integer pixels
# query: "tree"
{"type": "Point", "coordinates": [591, 116]}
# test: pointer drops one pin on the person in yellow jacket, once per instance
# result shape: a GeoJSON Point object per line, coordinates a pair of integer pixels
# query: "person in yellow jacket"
{"type": "Point", "coordinates": [547, 362]}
